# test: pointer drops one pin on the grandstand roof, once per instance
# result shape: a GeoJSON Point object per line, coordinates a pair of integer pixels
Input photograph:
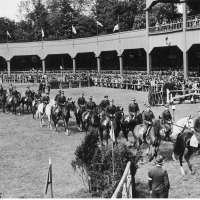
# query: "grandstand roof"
{"type": "Point", "coordinates": [151, 3]}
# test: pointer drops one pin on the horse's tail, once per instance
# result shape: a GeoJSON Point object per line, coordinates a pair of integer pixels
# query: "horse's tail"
{"type": "Point", "coordinates": [178, 145]}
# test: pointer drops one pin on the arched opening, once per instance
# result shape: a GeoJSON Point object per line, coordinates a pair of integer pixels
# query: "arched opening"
{"type": "Point", "coordinates": [135, 59]}
{"type": "Point", "coordinates": [166, 58]}
{"type": "Point", "coordinates": [56, 61]}
{"type": "Point", "coordinates": [86, 61]}
{"type": "Point", "coordinates": [25, 63]}
{"type": "Point", "coordinates": [109, 60]}
{"type": "Point", "coordinates": [3, 64]}
{"type": "Point", "coordinates": [194, 59]}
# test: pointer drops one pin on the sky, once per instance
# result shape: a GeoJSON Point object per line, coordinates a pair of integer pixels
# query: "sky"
{"type": "Point", "coordinates": [9, 8]}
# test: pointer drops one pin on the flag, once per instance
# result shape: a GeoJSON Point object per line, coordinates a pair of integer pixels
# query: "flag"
{"type": "Point", "coordinates": [74, 30]}
{"type": "Point", "coordinates": [116, 28]}
{"type": "Point", "coordinates": [8, 34]}
{"type": "Point", "coordinates": [42, 33]}
{"type": "Point", "coordinates": [99, 24]}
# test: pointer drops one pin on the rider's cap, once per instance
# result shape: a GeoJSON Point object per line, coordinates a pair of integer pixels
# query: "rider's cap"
{"type": "Point", "coordinates": [90, 97]}
{"type": "Point", "coordinates": [69, 99]}
{"type": "Point", "coordinates": [159, 160]}
{"type": "Point", "coordinates": [106, 96]}
{"type": "Point", "coordinates": [28, 87]}
{"type": "Point", "coordinates": [47, 92]}
{"type": "Point", "coordinates": [62, 92]}
{"type": "Point", "coordinates": [59, 91]}
{"type": "Point", "coordinates": [82, 93]}
{"type": "Point", "coordinates": [167, 105]}
{"type": "Point", "coordinates": [133, 99]}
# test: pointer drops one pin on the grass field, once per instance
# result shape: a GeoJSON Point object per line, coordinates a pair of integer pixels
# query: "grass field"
{"type": "Point", "coordinates": [26, 149]}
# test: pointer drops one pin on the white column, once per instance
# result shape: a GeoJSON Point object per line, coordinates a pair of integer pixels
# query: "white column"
{"type": "Point", "coordinates": [74, 65]}
{"type": "Point", "coordinates": [185, 54]}
{"type": "Point", "coordinates": [98, 64]}
{"type": "Point", "coordinates": [43, 66]}
{"type": "Point", "coordinates": [121, 64]}
{"type": "Point", "coordinates": [8, 67]}
{"type": "Point", "coordinates": [147, 43]}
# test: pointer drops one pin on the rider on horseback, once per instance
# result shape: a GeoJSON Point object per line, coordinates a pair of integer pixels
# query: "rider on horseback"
{"type": "Point", "coordinates": [45, 100]}
{"type": "Point", "coordinates": [28, 93]}
{"type": "Point", "coordinates": [14, 93]}
{"type": "Point", "coordinates": [57, 96]}
{"type": "Point", "coordinates": [91, 105]}
{"type": "Point", "coordinates": [110, 110]}
{"type": "Point", "coordinates": [1, 90]}
{"type": "Point", "coordinates": [11, 89]}
{"type": "Point", "coordinates": [81, 102]}
{"type": "Point", "coordinates": [104, 103]}
{"type": "Point", "coordinates": [167, 118]}
{"type": "Point", "coordinates": [61, 102]}
{"type": "Point", "coordinates": [37, 96]}
{"type": "Point", "coordinates": [147, 117]}
{"type": "Point", "coordinates": [133, 109]}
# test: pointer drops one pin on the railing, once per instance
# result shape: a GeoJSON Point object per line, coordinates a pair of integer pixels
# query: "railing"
{"type": "Point", "coordinates": [166, 28]}
{"type": "Point", "coordinates": [192, 24]}
{"type": "Point", "coordinates": [126, 183]}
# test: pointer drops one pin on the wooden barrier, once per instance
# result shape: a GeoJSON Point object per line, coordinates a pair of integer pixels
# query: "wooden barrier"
{"type": "Point", "coordinates": [126, 183]}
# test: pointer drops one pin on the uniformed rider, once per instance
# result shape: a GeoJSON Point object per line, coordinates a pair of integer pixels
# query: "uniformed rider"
{"type": "Point", "coordinates": [166, 115]}
{"type": "Point", "coordinates": [37, 96]}
{"type": "Point", "coordinates": [14, 93]}
{"type": "Point", "coordinates": [81, 101]}
{"type": "Point", "coordinates": [57, 96]}
{"type": "Point", "coordinates": [147, 117]}
{"type": "Point", "coordinates": [45, 100]}
{"type": "Point", "coordinates": [1, 90]}
{"type": "Point", "coordinates": [133, 109]}
{"type": "Point", "coordinates": [110, 110]}
{"type": "Point", "coordinates": [61, 101]}
{"type": "Point", "coordinates": [197, 128]}
{"type": "Point", "coordinates": [28, 93]}
{"type": "Point", "coordinates": [104, 103]}
{"type": "Point", "coordinates": [91, 105]}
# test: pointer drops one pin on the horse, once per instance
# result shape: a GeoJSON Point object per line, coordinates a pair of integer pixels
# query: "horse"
{"type": "Point", "coordinates": [93, 120]}
{"type": "Point", "coordinates": [47, 112]}
{"type": "Point", "coordinates": [115, 125]}
{"type": "Point", "coordinates": [15, 102]}
{"type": "Point", "coordinates": [79, 120]}
{"type": "Point", "coordinates": [35, 105]}
{"type": "Point", "coordinates": [64, 114]}
{"type": "Point", "coordinates": [183, 142]}
{"type": "Point", "coordinates": [129, 125]}
{"type": "Point", "coordinates": [180, 126]}
{"type": "Point", "coordinates": [3, 99]}
{"type": "Point", "coordinates": [28, 102]}
{"type": "Point", "coordinates": [153, 138]}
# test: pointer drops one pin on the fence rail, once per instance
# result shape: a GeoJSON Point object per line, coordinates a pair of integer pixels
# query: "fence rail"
{"type": "Point", "coordinates": [126, 183]}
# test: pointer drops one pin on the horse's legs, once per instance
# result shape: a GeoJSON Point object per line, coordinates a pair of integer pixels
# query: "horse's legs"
{"type": "Point", "coordinates": [181, 162]}
{"type": "Point", "coordinates": [23, 107]}
{"type": "Point", "coordinates": [187, 158]}
{"type": "Point", "coordinates": [49, 122]}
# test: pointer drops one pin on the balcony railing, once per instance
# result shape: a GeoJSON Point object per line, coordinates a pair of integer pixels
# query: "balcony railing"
{"type": "Point", "coordinates": [193, 23]}
{"type": "Point", "coordinates": [166, 28]}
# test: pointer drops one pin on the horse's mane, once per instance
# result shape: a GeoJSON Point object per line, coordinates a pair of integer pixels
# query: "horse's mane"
{"type": "Point", "coordinates": [156, 123]}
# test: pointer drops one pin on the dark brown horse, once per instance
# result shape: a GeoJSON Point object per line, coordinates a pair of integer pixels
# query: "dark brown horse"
{"type": "Point", "coordinates": [64, 115]}
{"type": "Point", "coordinates": [114, 124]}
{"type": "Point", "coordinates": [129, 125]}
{"type": "Point", "coordinates": [182, 143]}
{"type": "Point", "coordinates": [3, 98]}
{"type": "Point", "coordinates": [28, 102]}
{"type": "Point", "coordinates": [153, 138]}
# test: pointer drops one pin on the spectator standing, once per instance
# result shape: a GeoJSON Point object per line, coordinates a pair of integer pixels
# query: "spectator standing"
{"type": "Point", "coordinates": [158, 180]}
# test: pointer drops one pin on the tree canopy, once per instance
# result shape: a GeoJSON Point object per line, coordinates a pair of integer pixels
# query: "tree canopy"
{"type": "Point", "coordinates": [56, 18]}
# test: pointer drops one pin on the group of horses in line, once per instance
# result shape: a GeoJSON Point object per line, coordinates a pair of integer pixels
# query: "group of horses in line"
{"type": "Point", "coordinates": [180, 134]}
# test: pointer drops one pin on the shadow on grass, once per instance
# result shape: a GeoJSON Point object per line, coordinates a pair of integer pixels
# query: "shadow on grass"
{"type": "Point", "coordinates": [142, 190]}
{"type": "Point", "coordinates": [83, 193]}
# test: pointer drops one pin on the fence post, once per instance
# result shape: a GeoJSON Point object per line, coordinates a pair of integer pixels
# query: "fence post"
{"type": "Point", "coordinates": [127, 86]}
{"type": "Point", "coordinates": [79, 84]}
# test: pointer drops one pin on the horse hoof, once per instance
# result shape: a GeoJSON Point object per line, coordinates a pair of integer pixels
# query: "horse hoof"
{"type": "Point", "coordinates": [67, 133]}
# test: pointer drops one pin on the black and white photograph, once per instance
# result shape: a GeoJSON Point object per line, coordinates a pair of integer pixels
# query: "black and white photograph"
{"type": "Point", "coordinates": [99, 99]}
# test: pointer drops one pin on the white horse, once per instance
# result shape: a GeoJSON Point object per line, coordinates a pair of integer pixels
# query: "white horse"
{"type": "Point", "coordinates": [47, 112]}
{"type": "Point", "coordinates": [180, 126]}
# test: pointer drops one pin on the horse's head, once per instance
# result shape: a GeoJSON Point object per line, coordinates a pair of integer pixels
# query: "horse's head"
{"type": "Point", "coordinates": [190, 123]}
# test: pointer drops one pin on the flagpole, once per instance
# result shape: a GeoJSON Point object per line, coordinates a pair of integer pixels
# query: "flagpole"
{"type": "Point", "coordinates": [72, 30]}
{"type": "Point", "coordinates": [119, 34]}
{"type": "Point", "coordinates": [97, 33]}
{"type": "Point", "coordinates": [42, 38]}
{"type": "Point", "coordinates": [7, 41]}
